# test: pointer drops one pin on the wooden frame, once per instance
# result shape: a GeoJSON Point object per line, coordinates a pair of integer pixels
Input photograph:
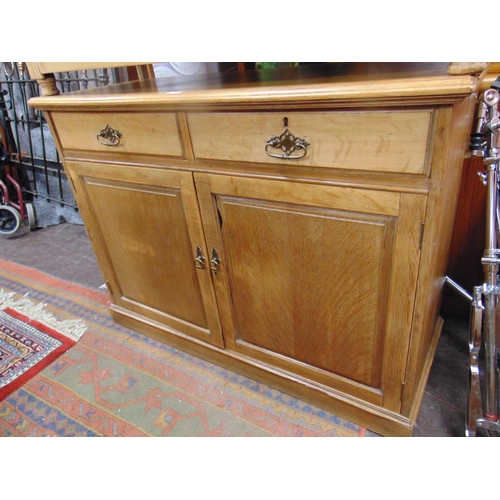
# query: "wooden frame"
{"type": "Point", "coordinates": [43, 72]}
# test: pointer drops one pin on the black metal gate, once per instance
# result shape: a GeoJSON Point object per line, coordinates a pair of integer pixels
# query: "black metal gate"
{"type": "Point", "coordinates": [30, 147]}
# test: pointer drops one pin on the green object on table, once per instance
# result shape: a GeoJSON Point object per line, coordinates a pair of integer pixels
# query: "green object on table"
{"type": "Point", "coordinates": [272, 65]}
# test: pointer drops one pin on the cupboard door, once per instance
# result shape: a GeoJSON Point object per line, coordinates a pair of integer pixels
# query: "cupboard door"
{"type": "Point", "coordinates": [146, 229]}
{"type": "Point", "coordinates": [317, 280]}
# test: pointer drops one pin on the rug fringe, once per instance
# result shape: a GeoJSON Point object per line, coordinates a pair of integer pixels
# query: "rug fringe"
{"type": "Point", "coordinates": [72, 328]}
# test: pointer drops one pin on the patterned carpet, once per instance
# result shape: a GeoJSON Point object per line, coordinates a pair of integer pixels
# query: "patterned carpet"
{"type": "Point", "coordinates": [27, 346]}
{"type": "Point", "coordinates": [115, 382]}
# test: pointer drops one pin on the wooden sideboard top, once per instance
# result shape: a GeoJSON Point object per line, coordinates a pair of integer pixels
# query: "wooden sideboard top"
{"type": "Point", "coordinates": [388, 83]}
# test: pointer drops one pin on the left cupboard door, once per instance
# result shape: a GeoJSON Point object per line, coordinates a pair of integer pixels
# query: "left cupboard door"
{"type": "Point", "coordinates": [145, 227]}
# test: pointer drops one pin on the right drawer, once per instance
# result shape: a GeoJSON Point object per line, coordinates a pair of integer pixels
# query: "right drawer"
{"type": "Point", "coordinates": [383, 141]}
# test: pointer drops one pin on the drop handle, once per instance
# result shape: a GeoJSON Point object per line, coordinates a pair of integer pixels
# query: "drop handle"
{"type": "Point", "coordinates": [199, 262]}
{"type": "Point", "coordinates": [111, 136]}
{"type": "Point", "coordinates": [286, 144]}
{"type": "Point", "coordinates": [215, 261]}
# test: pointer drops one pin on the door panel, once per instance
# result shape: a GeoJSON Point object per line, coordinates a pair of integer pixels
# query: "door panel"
{"type": "Point", "coordinates": [141, 230]}
{"type": "Point", "coordinates": [148, 232]}
{"type": "Point", "coordinates": [289, 269]}
{"type": "Point", "coordinates": [309, 288]}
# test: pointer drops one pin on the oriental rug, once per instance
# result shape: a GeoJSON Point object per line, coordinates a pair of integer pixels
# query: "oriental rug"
{"type": "Point", "coordinates": [27, 343]}
{"type": "Point", "coordinates": [117, 382]}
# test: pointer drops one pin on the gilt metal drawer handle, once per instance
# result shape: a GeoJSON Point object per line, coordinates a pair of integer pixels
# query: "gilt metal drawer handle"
{"type": "Point", "coordinates": [288, 144]}
{"type": "Point", "coordinates": [112, 136]}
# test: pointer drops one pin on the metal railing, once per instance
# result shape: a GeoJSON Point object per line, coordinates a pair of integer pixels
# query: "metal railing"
{"type": "Point", "coordinates": [27, 137]}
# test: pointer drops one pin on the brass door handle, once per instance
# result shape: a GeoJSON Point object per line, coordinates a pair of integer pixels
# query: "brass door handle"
{"type": "Point", "coordinates": [199, 262]}
{"type": "Point", "coordinates": [215, 261]}
{"type": "Point", "coordinates": [111, 136]}
{"type": "Point", "coordinates": [287, 143]}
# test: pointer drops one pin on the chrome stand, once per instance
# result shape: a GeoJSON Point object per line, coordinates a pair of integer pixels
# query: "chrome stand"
{"type": "Point", "coordinates": [481, 413]}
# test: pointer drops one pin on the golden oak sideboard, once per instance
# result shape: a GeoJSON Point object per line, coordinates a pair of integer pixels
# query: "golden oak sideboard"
{"type": "Point", "coordinates": [292, 225]}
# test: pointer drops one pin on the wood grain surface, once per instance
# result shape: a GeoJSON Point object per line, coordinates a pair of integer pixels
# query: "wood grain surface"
{"type": "Point", "coordinates": [331, 268]}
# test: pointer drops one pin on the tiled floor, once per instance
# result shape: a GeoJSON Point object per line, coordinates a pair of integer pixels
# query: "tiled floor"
{"type": "Point", "coordinates": [64, 251]}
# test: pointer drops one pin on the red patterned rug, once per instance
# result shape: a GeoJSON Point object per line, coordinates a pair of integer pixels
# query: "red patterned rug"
{"type": "Point", "coordinates": [116, 382]}
{"type": "Point", "coordinates": [27, 343]}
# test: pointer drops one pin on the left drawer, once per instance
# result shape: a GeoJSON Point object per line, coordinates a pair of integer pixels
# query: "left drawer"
{"type": "Point", "coordinates": [139, 133]}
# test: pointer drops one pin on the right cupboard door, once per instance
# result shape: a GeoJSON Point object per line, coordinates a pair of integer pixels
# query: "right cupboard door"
{"type": "Point", "coordinates": [316, 280]}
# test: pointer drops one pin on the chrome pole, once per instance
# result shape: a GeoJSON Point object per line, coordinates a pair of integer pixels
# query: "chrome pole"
{"type": "Point", "coordinates": [483, 327]}
{"type": "Point", "coordinates": [490, 262]}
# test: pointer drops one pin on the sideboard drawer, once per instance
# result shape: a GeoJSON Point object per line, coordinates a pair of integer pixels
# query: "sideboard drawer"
{"type": "Point", "coordinates": [384, 141]}
{"type": "Point", "coordinates": [143, 133]}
